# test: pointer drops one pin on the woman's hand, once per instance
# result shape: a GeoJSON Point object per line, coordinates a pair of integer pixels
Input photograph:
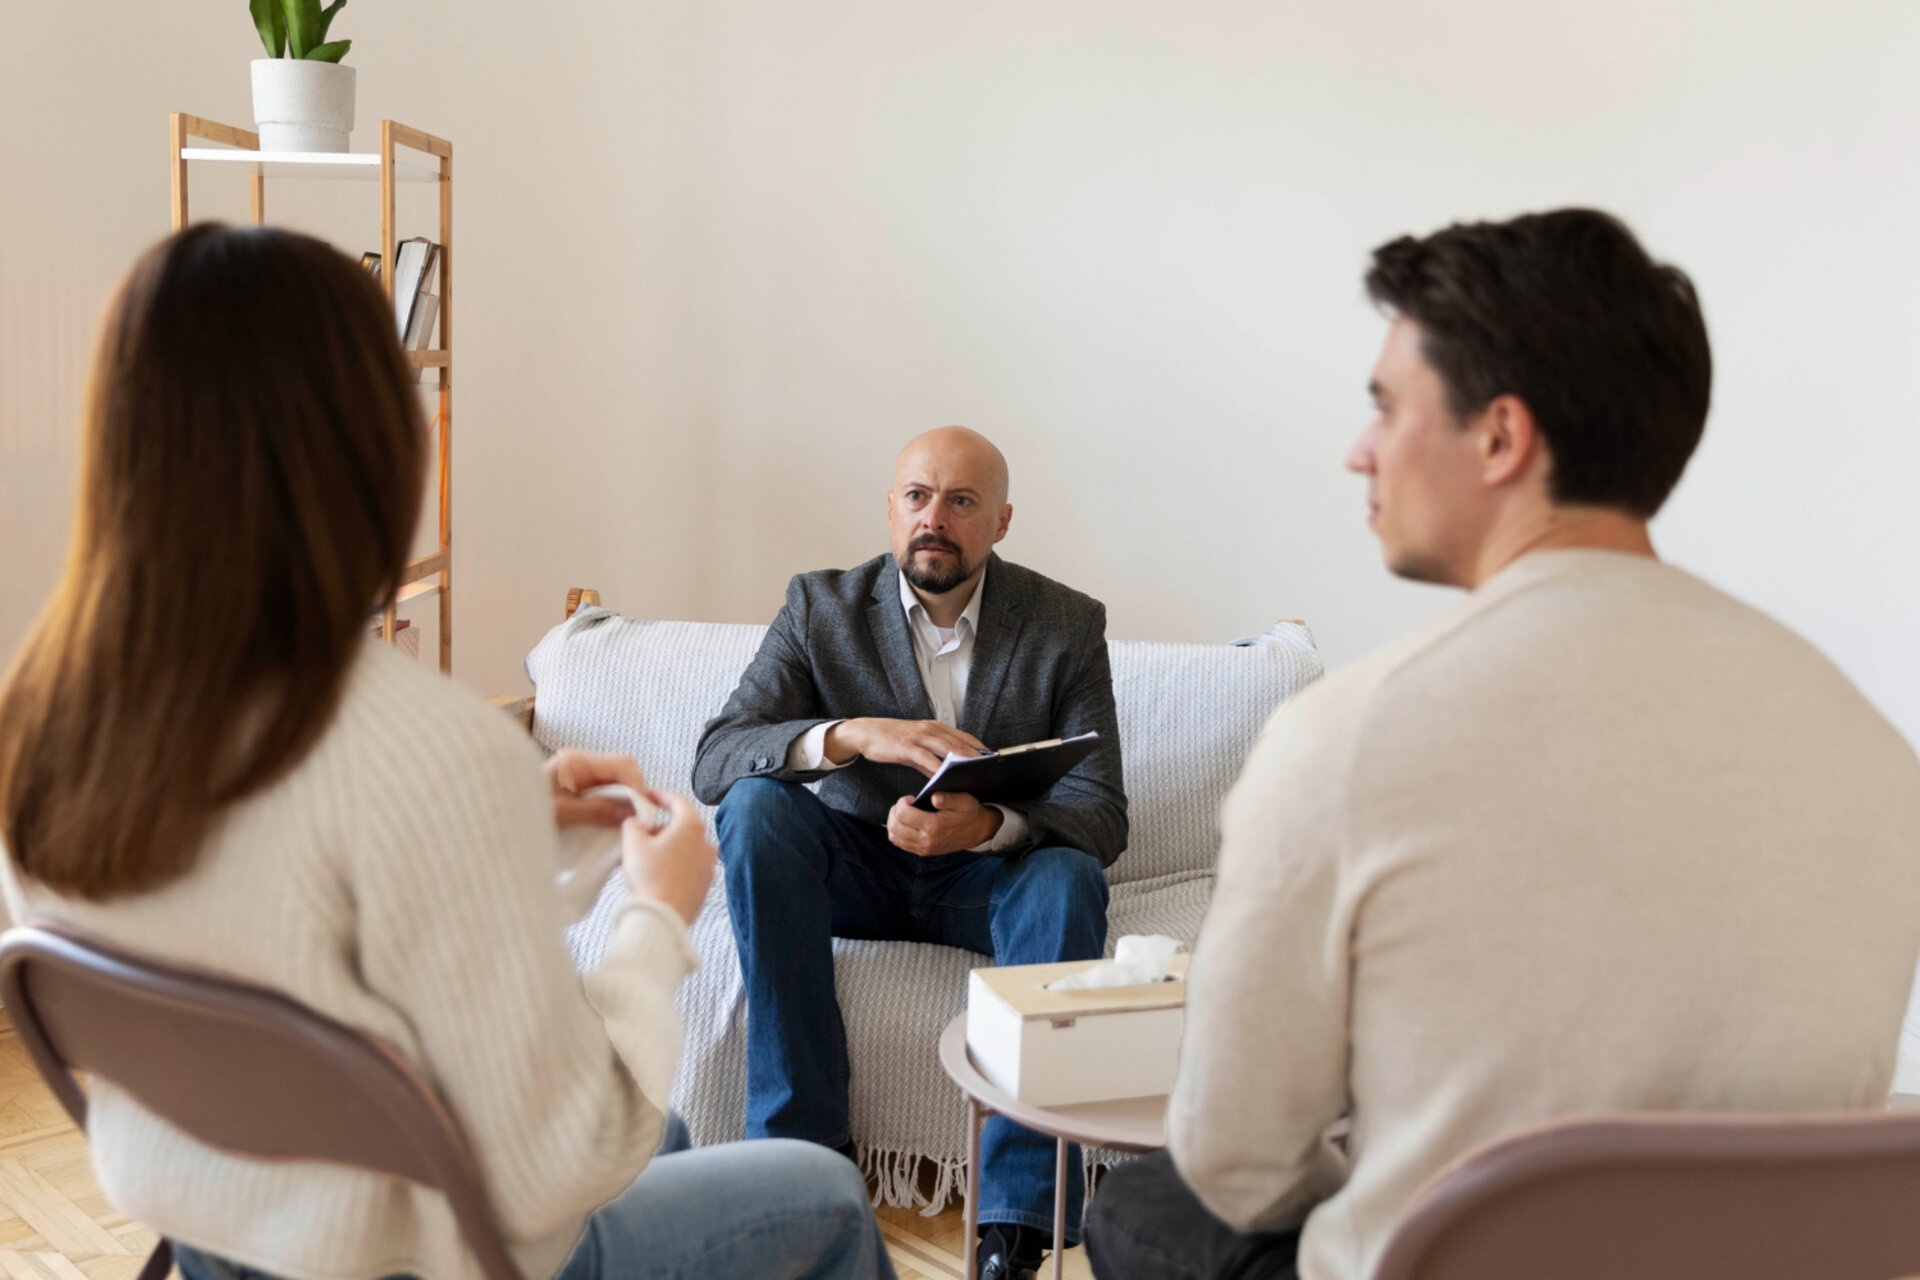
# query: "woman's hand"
{"type": "Point", "coordinates": [673, 863]}
{"type": "Point", "coordinates": [572, 772]}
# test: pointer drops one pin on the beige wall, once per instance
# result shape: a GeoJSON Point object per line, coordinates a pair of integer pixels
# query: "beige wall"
{"type": "Point", "coordinates": [1127, 239]}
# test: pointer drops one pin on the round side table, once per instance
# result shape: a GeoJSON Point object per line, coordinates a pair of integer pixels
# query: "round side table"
{"type": "Point", "coordinates": [1125, 1124]}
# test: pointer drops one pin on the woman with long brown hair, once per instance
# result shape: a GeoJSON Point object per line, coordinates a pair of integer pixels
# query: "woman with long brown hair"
{"type": "Point", "coordinates": [203, 760]}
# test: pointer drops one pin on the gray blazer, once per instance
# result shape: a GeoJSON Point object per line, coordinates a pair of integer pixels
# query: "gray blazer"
{"type": "Point", "coordinates": [840, 649]}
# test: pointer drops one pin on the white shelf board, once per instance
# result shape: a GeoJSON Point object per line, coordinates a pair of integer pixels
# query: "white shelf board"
{"type": "Point", "coordinates": [361, 165]}
{"type": "Point", "coordinates": [416, 591]}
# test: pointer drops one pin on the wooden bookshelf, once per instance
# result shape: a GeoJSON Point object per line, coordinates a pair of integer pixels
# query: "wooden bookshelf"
{"type": "Point", "coordinates": [405, 155]}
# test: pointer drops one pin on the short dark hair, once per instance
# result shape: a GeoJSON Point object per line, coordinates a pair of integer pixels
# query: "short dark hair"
{"type": "Point", "coordinates": [1566, 311]}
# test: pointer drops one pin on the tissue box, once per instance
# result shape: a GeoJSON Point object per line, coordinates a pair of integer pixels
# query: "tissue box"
{"type": "Point", "coordinates": [1052, 1048]}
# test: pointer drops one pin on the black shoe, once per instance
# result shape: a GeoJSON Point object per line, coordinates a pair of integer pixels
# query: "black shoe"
{"type": "Point", "coordinates": [1009, 1251]}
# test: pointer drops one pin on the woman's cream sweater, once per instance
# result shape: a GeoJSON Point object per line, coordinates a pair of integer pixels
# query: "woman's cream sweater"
{"type": "Point", "coordinates": [400, 880]}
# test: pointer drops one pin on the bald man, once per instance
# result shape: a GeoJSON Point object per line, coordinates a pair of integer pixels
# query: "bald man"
{"type": "Point", "coordinates": [865, 681]}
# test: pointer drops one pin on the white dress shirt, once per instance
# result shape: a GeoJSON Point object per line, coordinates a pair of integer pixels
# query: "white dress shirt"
{"type": "Point", "coordinates": [945, 658]}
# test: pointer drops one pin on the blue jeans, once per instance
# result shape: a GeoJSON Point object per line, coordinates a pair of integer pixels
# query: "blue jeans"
{"type": "Point", "coordinates": [786, 1211]}
{"type": "Point", "coordinates": [799, 875]}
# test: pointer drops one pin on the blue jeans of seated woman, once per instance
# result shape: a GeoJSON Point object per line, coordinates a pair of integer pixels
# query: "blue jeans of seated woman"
{"type": "Point", "coordinates": [784, 1211]}
{"type": "Point", "coordinates": [799, 875]}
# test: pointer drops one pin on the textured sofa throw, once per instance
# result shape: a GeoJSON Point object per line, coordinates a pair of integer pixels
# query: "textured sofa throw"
{"type": "Point", "coordinates": [1188, 715]}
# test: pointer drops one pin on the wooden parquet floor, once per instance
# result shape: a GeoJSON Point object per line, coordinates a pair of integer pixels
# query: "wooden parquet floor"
{"type": "Point", "coordinates": [55, 1224]}
{"type": "Point", "coordinates": [929, 1248]}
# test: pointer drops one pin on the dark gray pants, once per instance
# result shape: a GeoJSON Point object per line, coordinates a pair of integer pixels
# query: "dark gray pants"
{"type": "Point", "coordinates": [1146, 1224]}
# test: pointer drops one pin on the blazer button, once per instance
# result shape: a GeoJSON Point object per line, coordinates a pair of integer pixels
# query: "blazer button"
{"type": "Point", "coordinates": [760, 764]}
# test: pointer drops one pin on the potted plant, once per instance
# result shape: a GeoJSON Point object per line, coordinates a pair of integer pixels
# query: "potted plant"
{"type": "Point", "coordinates": [302, 96]}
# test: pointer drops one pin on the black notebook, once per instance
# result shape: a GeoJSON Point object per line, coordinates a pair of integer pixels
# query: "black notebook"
{"type": "Point", "coordinates": [1017, 773]}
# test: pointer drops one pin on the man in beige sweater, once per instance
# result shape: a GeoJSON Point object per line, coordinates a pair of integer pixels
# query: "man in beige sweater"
{"type": "Point", "coordinates": [1598, 839]}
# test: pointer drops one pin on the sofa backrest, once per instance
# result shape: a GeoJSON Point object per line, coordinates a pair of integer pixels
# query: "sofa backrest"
{"type": "Point", "coordinates": [1188, 713]}
{"type": "Point", "coordinates": [1188, 716]}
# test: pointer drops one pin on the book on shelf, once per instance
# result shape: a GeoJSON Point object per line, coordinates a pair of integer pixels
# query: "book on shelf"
{"type": "Point", "coordinates": [420, 332]}
{"type": "Point", "coordinates": [414, 262]}
{"type": "Point", "coordinates": [415, 305]}
{"type": "Point", "coordinates": [426, 309]}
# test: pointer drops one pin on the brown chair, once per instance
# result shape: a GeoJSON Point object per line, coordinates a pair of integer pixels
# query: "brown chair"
{"type": "Point", "coordinates": [1830, 1197]}
{"type": "Point", "coordinates": [240, 1068]}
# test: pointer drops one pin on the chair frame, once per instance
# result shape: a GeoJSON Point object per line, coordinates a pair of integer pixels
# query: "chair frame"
{"type": "Point", "coordinates": [398, 1125]}
{"type": "Point", "coordinates": [1750, 1196]}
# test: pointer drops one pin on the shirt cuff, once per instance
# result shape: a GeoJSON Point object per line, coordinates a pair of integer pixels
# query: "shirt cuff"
{"type": "Point", "coordinates": [1013, 831]}
{"type": "Point", "coordinates": [808, 754]}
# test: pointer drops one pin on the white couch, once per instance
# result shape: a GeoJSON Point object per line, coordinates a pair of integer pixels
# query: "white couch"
{"type": "Point", "coordinates": [1188, 714]}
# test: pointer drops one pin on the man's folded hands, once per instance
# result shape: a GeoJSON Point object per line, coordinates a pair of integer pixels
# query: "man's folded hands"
{"type": "Point", "coordinates": [959, 821]}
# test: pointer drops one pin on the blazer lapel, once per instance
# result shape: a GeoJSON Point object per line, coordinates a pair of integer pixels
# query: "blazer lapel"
{"type": "Point", "coordinates": [887, 622]}
{"type": "Point", "coordinates": [1000, 621]}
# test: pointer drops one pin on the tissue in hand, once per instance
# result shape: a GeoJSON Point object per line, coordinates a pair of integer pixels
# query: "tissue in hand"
{"type": "Point", "coordinates": [588, 855]}
{"type": "Point", "coordinates": [1138, 960]}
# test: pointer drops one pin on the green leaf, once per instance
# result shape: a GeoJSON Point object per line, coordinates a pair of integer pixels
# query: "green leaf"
{"type": "Point", "coordinates": [301, 18]}
{"type": "Point", "coordinates": [326, 18]}
{"type": "Point", "coordinates": [271, 23]}
{"type": "Point", "coordinates": [330, 52]}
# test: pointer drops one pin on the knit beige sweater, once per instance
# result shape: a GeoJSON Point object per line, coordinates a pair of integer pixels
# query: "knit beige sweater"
{"type": "Point", "coordinates": [1599, 839]}
{"type": "Point", "coordinates": [400, 880]}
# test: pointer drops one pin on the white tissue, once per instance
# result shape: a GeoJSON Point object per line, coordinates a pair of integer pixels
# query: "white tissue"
{"type": "Point", "coordinates": [588, 855]}
{"type": "Point", "coordinates": [1138, 960]}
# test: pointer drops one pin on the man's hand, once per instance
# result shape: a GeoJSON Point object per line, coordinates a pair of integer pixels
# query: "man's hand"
{"type": "Point", "coordinates": [923, 744]}
{"type": "Point", "coordinates": [571, 772]}
{"type": "Point", "coordinates": [959, 821]}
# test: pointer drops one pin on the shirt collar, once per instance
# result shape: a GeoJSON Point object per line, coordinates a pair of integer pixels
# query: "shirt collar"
{"type": "Point", "coordinates": [969, 615]}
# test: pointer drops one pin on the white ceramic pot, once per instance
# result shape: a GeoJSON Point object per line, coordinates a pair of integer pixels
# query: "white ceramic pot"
{"type": "Point", "coordinates": [300, 105]}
